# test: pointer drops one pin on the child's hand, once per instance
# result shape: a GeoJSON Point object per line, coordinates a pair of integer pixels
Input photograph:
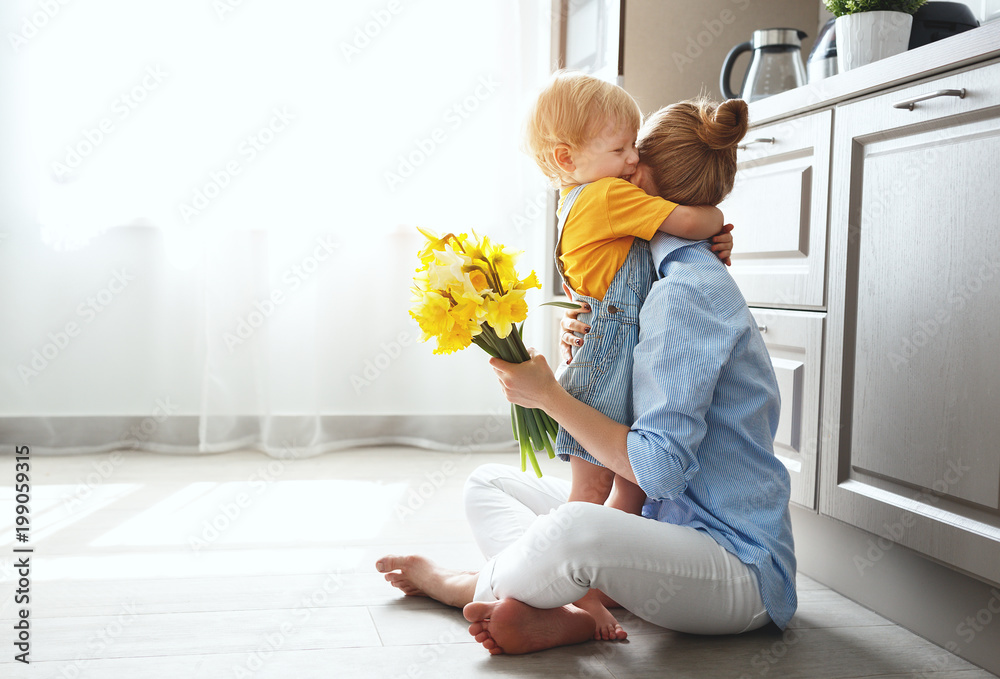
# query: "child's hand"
{"type": "Point", "coordinates": [569, 325]}
{"type": "Point", "coordinates": [572, 331]}
{"type": "Point", "coordinates": [723, 244]}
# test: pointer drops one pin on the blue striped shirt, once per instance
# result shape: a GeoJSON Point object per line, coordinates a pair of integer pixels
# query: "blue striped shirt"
{"type": "Point", "coordinates": [706, 405]}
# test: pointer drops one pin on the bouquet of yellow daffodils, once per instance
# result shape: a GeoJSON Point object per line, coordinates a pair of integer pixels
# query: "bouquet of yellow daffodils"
{"type": "Point", "coordinates": [467, 291]}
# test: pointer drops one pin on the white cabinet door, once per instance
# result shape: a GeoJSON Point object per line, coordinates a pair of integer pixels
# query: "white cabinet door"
{"type": "Point", "coordinates": [794, 340]}
{"type": "Point", "coordinates": [913, 374]}
{"type": "Point", "coordinates": [779, 208]}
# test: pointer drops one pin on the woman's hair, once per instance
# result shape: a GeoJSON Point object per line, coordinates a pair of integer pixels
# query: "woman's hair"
{"type": "Point", "coordinates": [690, 148]}
{"type": "Point", "coordinates": [573, 109]}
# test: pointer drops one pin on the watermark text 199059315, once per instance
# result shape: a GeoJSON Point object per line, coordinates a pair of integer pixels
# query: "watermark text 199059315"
{"type": "Point", "coordinates": [22, 554]}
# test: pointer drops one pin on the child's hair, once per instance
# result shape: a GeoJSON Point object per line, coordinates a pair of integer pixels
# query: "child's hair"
{"type": "Point", "coordinates": [572, 109]}
{"type": "Point", "coordinates": [690, 148]}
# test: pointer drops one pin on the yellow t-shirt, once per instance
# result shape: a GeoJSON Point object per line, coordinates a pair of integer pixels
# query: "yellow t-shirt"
{"type": "Point", "coordinates": [598, 234]}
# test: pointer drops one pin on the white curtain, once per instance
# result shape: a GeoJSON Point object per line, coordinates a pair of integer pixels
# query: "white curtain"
{"type": "Point", "coordinates": [208, 212]}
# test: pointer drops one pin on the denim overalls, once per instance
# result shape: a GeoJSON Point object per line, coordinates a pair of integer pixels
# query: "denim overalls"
{"type": "Point", "coordinates": [600, 374]}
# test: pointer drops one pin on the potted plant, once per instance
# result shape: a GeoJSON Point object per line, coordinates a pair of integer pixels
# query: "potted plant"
{"type": "Point", "coordinates": [869, 30]}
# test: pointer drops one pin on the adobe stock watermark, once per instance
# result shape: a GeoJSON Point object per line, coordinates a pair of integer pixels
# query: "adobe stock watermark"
{"type": "Point", "coordinates": [364, 34]}
{"type": "Point", "coordinates": [418, 496]}
{"type": "Point", "coordinates": [765, 659]}
{"type": "Point", "coordinates": [58, 341]}
{"type": "Point", "coordinates": [101, 641]}
{"type": "Point", "coordinates": [30, 26]}
{"type": "Point", "coordinates": [274, 641]}
{"type": "Point", "coordinates": [974, 624]}
{"type": "Point", "coordinates": [292, 278]}
{"type": "Point", "coordinates": [955, 302]}
{"type": "Point", "coordinates": [533, 213]}
{"type": "Point", "coordinates": [229, 512]}
{"type": "Point", "coordinates": [223, 8]}
{"type": "Point", "coordinates": [104, 469]}
{"type": "Point", "coordinates": [894, 532]}
{"type": "Point", "coordinates": [246, 153]}
{"type": "Point", "coordinates": [712, 30]}
{"type": "Point", "coordinates": [430, 654]}
{"type": "Point", "coordinates": [423, 149]}
{"type": "Point", "coordinates": [374, 366]}
{"type": "Point", "coordinates": [91, 138]}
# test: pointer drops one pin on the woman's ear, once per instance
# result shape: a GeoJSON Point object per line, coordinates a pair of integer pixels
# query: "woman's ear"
{"type": "Point", "coordinates": [643, 178]}
{"type": "Point", "coordinates": [563, 157]}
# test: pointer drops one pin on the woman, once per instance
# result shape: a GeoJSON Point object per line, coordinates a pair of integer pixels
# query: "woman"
{"type": "Point", "coordinates": [712, 552]}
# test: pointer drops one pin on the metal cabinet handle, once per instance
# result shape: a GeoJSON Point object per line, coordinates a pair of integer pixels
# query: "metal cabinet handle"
{"type": "Point", "coordinates": [762, 328]}
{"type": "Point", "coordinates": [909, 103]}
{"type": "Point", "coordinates": [762, 140]}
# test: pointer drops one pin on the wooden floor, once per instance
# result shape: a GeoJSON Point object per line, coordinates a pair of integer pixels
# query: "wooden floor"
{"type": "Point", "coordinates": [238, 565]}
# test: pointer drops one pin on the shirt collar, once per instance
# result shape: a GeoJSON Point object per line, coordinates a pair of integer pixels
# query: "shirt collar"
{"type": "Point", "coordinates": [662, 245]}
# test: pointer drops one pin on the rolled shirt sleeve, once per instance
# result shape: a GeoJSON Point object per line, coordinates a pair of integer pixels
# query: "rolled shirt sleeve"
{"type": "Point", "coordinates": [674, 378]}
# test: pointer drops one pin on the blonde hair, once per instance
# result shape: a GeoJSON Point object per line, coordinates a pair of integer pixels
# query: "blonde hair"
{"type": "Point", "coordinates": [690, 148]}
{"type": "Point", "coordinates": [573, 109]}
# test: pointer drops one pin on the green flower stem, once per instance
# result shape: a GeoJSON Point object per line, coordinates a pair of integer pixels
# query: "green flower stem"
{"type": "Point", "coordinates": [518, 343]}
{"type": "Point", "coordinates": [534, 434]}
{"type": "Point", "coordinates": [527, 424]}
{"type": "Point", "coordinates": [485, 346]}
{"type": "Point", "coordinates": [533, 428]}
{"type": "Point", "coordinates": [522, 436]}
{"type": "Point", "coordinates": [538, 418]}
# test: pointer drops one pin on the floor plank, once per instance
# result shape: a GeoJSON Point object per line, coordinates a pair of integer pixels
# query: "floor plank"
{"type": "Point", "coordinates": [238, 565]}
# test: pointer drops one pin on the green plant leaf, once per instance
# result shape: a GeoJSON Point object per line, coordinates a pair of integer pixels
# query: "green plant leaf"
{"type": "Point", "coordinates": [843, 7]}
{"type": "Point", "coordinates": [563, 305]}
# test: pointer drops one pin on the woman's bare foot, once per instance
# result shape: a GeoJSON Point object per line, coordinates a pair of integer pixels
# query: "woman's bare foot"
{"type": "Point", "coordinates": [512, 627]}
{"type": "Point", "coordinates": [417, 576]}
{"type": "Point", "coordinates": [607, 628]}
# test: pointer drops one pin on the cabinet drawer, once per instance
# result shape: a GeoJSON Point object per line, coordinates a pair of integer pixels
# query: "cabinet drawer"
{"type": "Point", "coordinates": [794, 340]}
{"type": "Point", "coordinates": [960, 93]}
{"type": "Point", "coordinates": [779, 207]}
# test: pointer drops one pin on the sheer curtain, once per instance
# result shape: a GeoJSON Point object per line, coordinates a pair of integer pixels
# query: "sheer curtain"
{"type": "Point", "coordinates": [207, 229]}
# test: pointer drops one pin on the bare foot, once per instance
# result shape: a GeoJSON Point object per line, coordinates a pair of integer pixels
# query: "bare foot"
{"type": "Point", "coordinates": [512, 627]}
{"type": "Point", "coordinates": [417, 576]}
{"type": "Point", "coordinates": [607, 628]}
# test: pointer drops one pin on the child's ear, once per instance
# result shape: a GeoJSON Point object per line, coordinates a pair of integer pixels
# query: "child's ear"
{"type": "Point", "coordinates": [564, 158]}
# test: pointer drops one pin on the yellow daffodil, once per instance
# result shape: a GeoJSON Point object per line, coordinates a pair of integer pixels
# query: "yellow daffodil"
{"type": "Point", "coordinates": [434, 243]}
{"type": "Point", "coordinates": [504, 311]}
{"type": "Point", "coordinates": [431, 314]}
{"type": "Point", "coordinates": [503, 263]}
{"type": "Point", "coordinates": [530, 282]}
{"type": "Point", "coordinates": [467, 291]}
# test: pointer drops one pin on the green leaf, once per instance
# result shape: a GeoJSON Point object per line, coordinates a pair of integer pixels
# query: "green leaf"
{"type": "Point", "coordinates": [564, 305]}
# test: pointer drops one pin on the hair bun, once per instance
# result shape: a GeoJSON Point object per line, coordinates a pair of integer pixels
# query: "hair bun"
{"type": "Point", "coordinates": [725, 125]}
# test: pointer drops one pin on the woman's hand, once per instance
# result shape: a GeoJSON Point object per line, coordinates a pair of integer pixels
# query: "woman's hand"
{"type": "Point", "coordinates": [530, 384]}
{"type": "Point", "coordinates": [723, 244]}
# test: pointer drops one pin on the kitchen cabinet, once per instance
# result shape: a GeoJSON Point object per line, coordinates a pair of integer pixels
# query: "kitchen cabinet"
{"type": "Point", "coordinates": [779, 206]}
{"type": "Point", "coordinates": [794, 340]}
{"type": "Point", "coordinates": [912, 371]}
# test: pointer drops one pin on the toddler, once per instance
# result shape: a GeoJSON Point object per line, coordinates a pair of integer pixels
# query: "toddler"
{"type": "Point", "coordinates": [582, 132]}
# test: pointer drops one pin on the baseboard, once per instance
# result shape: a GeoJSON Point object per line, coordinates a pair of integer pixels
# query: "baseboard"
{"type": "Point", "coordinates": [958, 613]}
{"type": "Point", "coordinates": [278, 435]}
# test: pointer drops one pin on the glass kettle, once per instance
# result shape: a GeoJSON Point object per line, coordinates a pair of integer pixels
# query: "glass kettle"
{"type": "Point", "coordinates": [775, 64]}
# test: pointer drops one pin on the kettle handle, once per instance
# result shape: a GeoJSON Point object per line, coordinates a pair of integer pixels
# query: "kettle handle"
{"type": "Point", "coordinates": [727, 68]}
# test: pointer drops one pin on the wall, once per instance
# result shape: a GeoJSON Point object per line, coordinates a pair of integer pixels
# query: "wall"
{"type": "Point", "coordinates": [675, 48]}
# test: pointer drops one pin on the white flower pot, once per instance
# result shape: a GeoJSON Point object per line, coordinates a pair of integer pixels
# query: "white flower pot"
{"type": "Point", "coordinates": [869, 36]}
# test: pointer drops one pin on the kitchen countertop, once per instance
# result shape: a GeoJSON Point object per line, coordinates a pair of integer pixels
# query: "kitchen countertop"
{"type": "Point", "coordinates": [978, 45]}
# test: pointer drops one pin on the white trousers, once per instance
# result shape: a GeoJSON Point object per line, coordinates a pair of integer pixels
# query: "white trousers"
{"type": "Point", "coordinates": [548, 552]}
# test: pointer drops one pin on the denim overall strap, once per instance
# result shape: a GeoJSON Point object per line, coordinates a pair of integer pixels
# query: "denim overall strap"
{"type": "Point", "coordinates": [567, 208]}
